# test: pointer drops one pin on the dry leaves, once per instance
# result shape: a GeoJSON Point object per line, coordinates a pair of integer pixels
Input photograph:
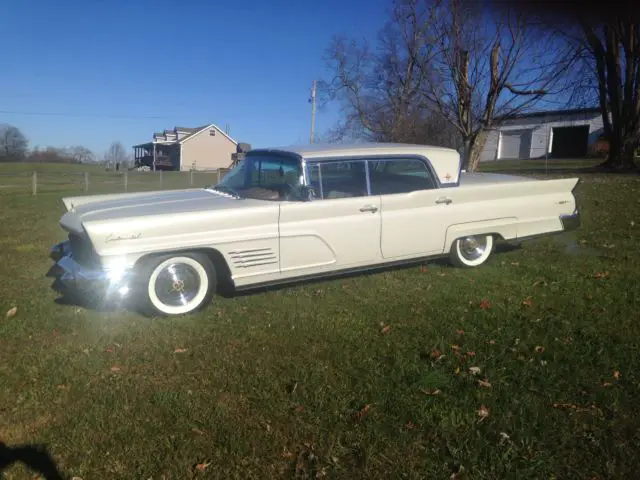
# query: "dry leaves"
{"type": "Point", "coordinates": [385, 329]}
{"type": "Point", "coordinates": [435, 354]}
{"type": "Point", "coordinates": [539, 349]}
{"type": "Point", "coordinates": [616, 374]}
{"type": "Point", "coordinates": [484, 383]}
{"type": "Point", "coordinates": [601, 275]}
{"type": "Point", "coordinates": [359, 415]}
{"type": "Point", "coordinates": [11, 312]}
{"type": "Point", "coordinates": [115, 368]}
{"type": "Point", "coordinates": [527, 302]}
{"type": "Point", "coordinates": [180, 350]}
{"type": "Point", "coordinates": [483, 412]}
{"type": "Point", "coordinates": [474, 370]}
{"type": "Point", "coordinates": [431, 393]}
{"type": "Point", "coordinates": [459, 332]}
{"type": "Point", "coordinates": [409, 425]}
{"type": "Point", "coordinates": [485, 304]}
{"type": "Point", "coordinates": [201, 467]}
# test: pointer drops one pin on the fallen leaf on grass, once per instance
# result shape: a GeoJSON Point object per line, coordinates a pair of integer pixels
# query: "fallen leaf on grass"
{"type": "Point", "coordinates": [442, 274]}
{"type": "Point", "coordinates": [180, 350]}
{"type": "Point", "coordinates": [409, 425]}
{"type": "Point", "coordinates": [299, 408]}
{"type": "Point", "coordinates": [471, 354]}
{"type": "Point", "coordinates": [539, 349]}
{"type": "Point", "coordinates": [539, 282]}
{"type": "Point", "coordinates": [515, 264]}
{"type": "Point", "coordinates": [485, 304]}
{"type": "Point", "coordinates": [11, 312]}
{"type": "Point", "coordinates": [386, 329]}
{"type": "Point", "coordinates": [115, 368]}
{"type": "Point", "coordinates": [198, 431]}
{"type": "Point", "coordinates": [201, 467]}
{"type": "Point", "coordinates": [459, 332]}
{"type": "Point", "coordinates": [607, 384]}
{"type": "Point", "coordinates": [435, 353]}
{"type": "Point", "coordinates": [359, 415]}
{"type": "Point", "coordinates": [484, 383]}
{"type": "Point", "coordinates": [491, 342]}
{"type": "Point", "coordinates": [63, 386]}
{"type": "Point", "coordinates": [600, 275]}
{"type": "Point", "coordinates": [474, 370]}
{"type": "Point", "coordinates": [527, 302]}
{"type": "Point", "coordinates": [286, 453]}
{"type": "Point", "coordinates": [483, 412]}
{"type": "Point", "coordinates": [616, 374]}
{"type": "Point", "coordinates": [431, 393]}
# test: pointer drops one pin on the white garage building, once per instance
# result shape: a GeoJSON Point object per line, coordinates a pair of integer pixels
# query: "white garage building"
{"type": "Point", "coordinates": [556, 134]}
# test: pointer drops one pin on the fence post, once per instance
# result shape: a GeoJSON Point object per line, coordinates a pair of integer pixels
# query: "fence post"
{"type": "Point", "coordinates": [160, 179]}
{"type": "Point", "coordinates": [34, 183]}
{"type": "Point", "coordinates": [191, 177]}
{"type": "Point", "coordinates": [126, 180]}
{"type": "Point", "coordinates": [218, 170]}
{"type": "Point", "coordinates": [86, 181]}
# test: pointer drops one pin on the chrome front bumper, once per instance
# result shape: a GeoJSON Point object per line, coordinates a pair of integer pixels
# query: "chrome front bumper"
{"type": "Point", "coordinates": [82, 279]}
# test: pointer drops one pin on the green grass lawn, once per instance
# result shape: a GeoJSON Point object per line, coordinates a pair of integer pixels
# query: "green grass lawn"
{"type": "Point", "coordinates": [527, 367]}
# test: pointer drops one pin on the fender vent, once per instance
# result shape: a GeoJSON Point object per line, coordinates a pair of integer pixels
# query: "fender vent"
{"type": "Point", "coordinates": [253, 257]}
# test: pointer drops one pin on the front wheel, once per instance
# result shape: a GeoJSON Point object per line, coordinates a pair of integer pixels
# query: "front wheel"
{"type": "Point", "coordinates": [471, 251]}
{"type": "Point", "coordinates": [177, 284]}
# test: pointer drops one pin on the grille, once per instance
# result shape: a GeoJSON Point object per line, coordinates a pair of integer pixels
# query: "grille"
{"type": "Point", "coordinates": [81, 249]}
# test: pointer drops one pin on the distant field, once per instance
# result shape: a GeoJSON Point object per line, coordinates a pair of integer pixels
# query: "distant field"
{"type": "Point", "coordinates": [527, 367]}
{"type": "Point", "coordinates": [17, 179]}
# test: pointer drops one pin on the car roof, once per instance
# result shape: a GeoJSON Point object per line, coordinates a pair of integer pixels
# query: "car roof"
{"type": "Point", "coordinates": [328, 150]}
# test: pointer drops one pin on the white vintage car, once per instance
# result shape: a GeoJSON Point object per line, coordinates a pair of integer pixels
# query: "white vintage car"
{"type": "Point", "coordinates": [285, 214]}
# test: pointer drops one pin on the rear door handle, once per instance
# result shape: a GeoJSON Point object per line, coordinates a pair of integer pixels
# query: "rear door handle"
{"type": "Point", "coordinates": [369, 208]}
{"type": "Point", "coordinates": [445, 200]}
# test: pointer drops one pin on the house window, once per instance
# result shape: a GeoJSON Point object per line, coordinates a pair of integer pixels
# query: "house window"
{"type": "Point", "coordinates": [212, 133]}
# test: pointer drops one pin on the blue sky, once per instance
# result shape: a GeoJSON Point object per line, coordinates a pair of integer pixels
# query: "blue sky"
{"type": "Point", "coordinates": [107, 66]}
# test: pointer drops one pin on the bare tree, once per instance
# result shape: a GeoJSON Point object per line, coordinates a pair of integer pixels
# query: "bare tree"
{"type": "Point", "coordinates": [467, 63]}
{"type": "Point", "coordinates": [13, 144]}
{"type": "Point", "coordinates": [115, 156]}
{"type": "Point", "coordinates": [608, 35]}
{"type": "Point", "coordinates": [379, 90]}
{"type": "Point", "coordinates": [81, 154]}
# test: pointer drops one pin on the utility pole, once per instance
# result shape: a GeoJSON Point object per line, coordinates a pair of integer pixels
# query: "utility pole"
{"type": "Point", "coordinates": [313, 112]}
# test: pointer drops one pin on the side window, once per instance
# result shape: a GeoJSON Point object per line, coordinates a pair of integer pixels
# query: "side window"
{"type": "Point", "coordinates": [338, 179]}
{"type": "Point", "coordinates": [399, 176]}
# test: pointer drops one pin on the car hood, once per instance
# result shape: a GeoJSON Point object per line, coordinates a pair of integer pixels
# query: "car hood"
{"type": "Point", "coordinates": [98, 208]}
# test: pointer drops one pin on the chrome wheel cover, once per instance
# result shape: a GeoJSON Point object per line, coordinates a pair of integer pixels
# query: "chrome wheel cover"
{"type": "Point", "coordinates": [177, 284]}
{"type": "Point", "coordinates": [472, 248]}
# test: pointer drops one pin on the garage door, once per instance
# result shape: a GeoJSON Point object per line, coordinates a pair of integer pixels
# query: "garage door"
{"type": "Point", "coordinates": [570, 142]}
{"type": "Point", "coordinates": [515, 144]}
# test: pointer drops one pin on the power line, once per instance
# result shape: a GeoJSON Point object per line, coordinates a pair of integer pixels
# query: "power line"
{"type": "Point", "coordinates": [81, 115]}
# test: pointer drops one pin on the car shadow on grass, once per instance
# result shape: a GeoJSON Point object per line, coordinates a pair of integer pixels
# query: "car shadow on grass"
{"type": "Point", "coordinates": [34, 457]}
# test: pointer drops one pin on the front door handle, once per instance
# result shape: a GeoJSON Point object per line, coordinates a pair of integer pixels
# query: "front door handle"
{"type": "Point", "coordinates": [445, 200]}
{"type": "Point", "coordinates": [369, 208]}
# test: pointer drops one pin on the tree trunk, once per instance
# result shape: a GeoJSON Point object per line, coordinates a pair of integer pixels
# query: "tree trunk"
{"type": "Point", "coordinates": [466, 152]}
{"type": "Point", "coordinates": [476, 149]}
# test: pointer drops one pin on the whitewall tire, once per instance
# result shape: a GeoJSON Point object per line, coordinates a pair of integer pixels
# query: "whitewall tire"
{"type": "Point", "coordinates": [177, 284]}
{"type": "Point", "coordinates": [471, 251]}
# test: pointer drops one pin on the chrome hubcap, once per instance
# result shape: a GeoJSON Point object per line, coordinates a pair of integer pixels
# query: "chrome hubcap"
{"type": "Point", "coordinates": [473, 248]}
{"type": "Point", "coordinates": [177, 284]}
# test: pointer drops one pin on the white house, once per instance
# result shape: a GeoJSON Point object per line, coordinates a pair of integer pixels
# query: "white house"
{"type": "Point", "coordinates": [556, 134]}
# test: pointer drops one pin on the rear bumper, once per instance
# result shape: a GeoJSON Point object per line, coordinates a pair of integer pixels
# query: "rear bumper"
{"type": "Point", "coordinates": [83, 279]}
{"type": "Point", "coordinates": [570, 222]}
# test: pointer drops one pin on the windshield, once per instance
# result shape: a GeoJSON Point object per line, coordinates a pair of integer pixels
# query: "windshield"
{"type": "Point", "coordinates": [265, 177]}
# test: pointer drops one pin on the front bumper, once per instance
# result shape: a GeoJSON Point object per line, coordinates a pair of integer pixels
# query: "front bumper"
{"type": "Point", "coordinates": [83, 279]}
{"type": "Point", "coordinates": [570, 222]}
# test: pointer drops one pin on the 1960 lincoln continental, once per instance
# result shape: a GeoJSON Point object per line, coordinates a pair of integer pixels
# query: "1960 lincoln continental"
{"type": "Point", "coordinates": [285, 214]}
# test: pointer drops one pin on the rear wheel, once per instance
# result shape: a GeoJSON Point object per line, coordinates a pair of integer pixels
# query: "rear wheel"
{"type": "Point", "coordinates": [176, 284]}
{"type": "Point", "coordinates": [471, 251]}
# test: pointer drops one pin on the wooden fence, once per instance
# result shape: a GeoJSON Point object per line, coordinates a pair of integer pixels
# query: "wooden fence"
{"type": "Point", "coordinates": [97, 181]}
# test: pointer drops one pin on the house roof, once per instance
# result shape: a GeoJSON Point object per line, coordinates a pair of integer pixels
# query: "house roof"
{"type": "Point", "coordinates": [548, 113]}
{"type": "Point", "coordinates": [191, 132]}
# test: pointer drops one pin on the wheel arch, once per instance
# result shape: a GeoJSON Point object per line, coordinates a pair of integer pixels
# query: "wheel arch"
{"type": "Point", "coordinates": [500, 229]}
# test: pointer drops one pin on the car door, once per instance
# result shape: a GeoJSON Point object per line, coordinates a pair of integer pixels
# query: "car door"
{"type": "Point", "coordinates": [338, 229]}
{"type": "Point", "coordinates": [415, 213]}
